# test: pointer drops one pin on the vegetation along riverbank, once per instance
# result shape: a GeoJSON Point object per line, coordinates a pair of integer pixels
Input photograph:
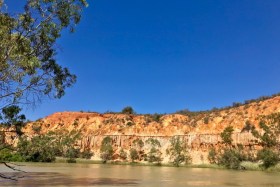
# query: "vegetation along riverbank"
{"type": "Point", "coordinates": [244, 136]}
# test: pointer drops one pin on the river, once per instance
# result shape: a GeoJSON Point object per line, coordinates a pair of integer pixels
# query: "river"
{"type": "Point", "coordinates": [80, 175]}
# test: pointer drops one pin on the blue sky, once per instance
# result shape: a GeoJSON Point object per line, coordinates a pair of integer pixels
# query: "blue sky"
{"type": "Point", "coordinates": [163, 56]}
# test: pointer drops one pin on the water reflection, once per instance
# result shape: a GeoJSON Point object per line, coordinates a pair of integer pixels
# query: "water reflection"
{"type": "Point", "coordinates": [57, 179]}
{"type": "Point", "coordinates": [80, 175]}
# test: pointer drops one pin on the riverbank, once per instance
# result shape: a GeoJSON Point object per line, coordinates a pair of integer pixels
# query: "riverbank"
{"type": "Point", "coordinates": [64, 174]}
{"type": "Point", "coordinates": [250, 166]}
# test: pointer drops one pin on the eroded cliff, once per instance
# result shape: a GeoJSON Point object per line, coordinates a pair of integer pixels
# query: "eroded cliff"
{"type": "Point", "coordinates": [200, 131]}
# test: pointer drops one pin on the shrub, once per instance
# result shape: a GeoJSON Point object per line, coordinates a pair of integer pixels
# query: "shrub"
{"type": "Point", "coordinates": [236, 104]}
{"type": "Point", "coordinates": [156, 117]}
{"type": "Point", "coordinates": [38, 149]}
{"type": "Point", "coordinates": [248, 127]}
{"type": "Point", "coordinates": [212, 156]}
{"type": "Point", "coordinates": [231, 159]}
{"type": "Point", "coordinates": [76, 122]}
{"type": "Point", "coordinates": [153, 142]}
{"type": "Point", "coordinates": [72, 154]}
{"type": "Point", "coordinates": [206, 120]}
{"type": "Point", "coordinates": [128, 110]}
{"type": "Point", "coordinates": [36, 128]}
{"type": "Point", "coordinates": [154, 155]}
{"type": "Point", "coordinates": [106, 149]}
{"type": "Point", "coordinates": [87, 154]}
{"type": "Point", "coordinates": [129, 123]}
{"type": "Point", "coordinates": [269, 157]}
{"type": "Point", "coordinates": [133, 154]}
{"type": "Point", "coordinates": [269, 137]}
{"type": "Point", "coordinates": [123, 154]}
{"type": "Point", "coordinates": [178, 151]}
{"type": "Point", "coordinates": [138, 143]}
{"type": "Point", "coordinates": [9, 155]}
{"type": "Point", "coordinates": [226, 135]}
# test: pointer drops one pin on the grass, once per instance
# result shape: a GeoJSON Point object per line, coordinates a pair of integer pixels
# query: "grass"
{"type": "Point", "coordinates": [78, 160]}
{"type": "Point", "coordinates": [274, 168]}
{"type": "Point", "coordinates": [250, 166]}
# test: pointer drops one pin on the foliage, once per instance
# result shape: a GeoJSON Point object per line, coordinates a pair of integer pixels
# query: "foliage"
{"type": "Point", "coordinates": [270, 131]}
{"type": "Point", "coordinates": [11, 117]}
{"type": "Point", "coordinates": [248, 127]}
{"type": "Point", "coordinates": [269, 137]}
{"type": "Point", "coordinates": [228, 157]}
{"type": "Point", "coordinates": [129, 123]}
{"type": "Point", "coordinates": [226, 135]}
{"type": "Point", "coordinates": [65, 143]}
{"type": "Point", "coordinates": [72, 154]}
{"type": "Point", "coordinates": [36, 127]}
{"type": "Point", "coordinates": [206, 120]}
{"type": "Point", "coordinates": [156, 117]}
{"type": "Point", "coordinates": [212, 156]}
{"type": "Point", "coordinates": [153, 142]}
{"type": "Point", "coordinates": [28, 68]}
{"type": "Point", "coordinates": [153, 117]}
{"type": "Point", "coordinates": [231, 159]}
{"type": "Point", "coordinates": [123, 154]}
{"type": "Point", "coordinates": [138, 143]}
{"type": "Point", "coordinates": [106, 149]}
{"type": "Point", "coordinates": [128, 110]}
{"type": "Point", "coordinates": [8, 155]}
{"type": "Point", "coordinates": [234, 105]}
{"type": "Point", "coordinates": [38, 149]}
{"type": "Point", "coordinates": [269, 157]}
{"type": "Point", "coordinates": [87, 154]}
{"type": "Point", "coordinates": [133, 154]}
{"type": "Point", "coordinates": [44, 148]}
{"type": "Point", "coordinates": [178, 151]}
{"type": "Point", "coordinates": [154, 154]}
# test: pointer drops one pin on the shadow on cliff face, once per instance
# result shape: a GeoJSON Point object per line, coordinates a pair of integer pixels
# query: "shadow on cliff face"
{"type": "Point", "coordinates": [35, 179]}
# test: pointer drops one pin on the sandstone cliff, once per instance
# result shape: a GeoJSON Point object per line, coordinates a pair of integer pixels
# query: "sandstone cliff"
{"type": "Point", "coordinates": [200, 131]}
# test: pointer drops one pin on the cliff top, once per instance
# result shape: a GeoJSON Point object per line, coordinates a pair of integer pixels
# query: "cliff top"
{"type": "Point", "coordinates": [153, 124]}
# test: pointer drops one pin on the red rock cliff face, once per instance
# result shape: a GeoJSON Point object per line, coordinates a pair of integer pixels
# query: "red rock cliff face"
{"type": "Point", "coordinates": [200, 132]}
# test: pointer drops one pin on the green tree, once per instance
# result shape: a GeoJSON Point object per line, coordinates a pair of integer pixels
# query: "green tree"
{"type": "Point", "coordinates": [9, 155]}
{"type": "Point", "coordinates": [154, 154]}
{"type": "Point", "coordinates": [212, 156]}
{"type": "Point", "coordinates": [138, 143]}
{"type": "Point", "coordinates": [269, 137]}
{"type": "Point", "coordinates": [231, 158]}
{"type": "Point", "coordinates": [228, 157]}
{"type": "Point", "coordinates": [133, 154]}
{"type": "Point", "coordinates": [86, 153]}
{"type": "Point", "coordinates": [28, 69]}
{"type": "Point", "coordinates": [128, 110]}
{"type": "Point", "coordinates": [270, 126]}
{"type": "Point", "coordinates": [106, 149]}
{"type": "Point", "coordinates": [226, 135]}
{"type": "Point", "coordinates": [268, 157]}
{"type": "Point", "coordinates": [178, 151]}
{"type": "Point", "coordinates": [11, 117]}
{"type": "Point", "coordinates": [39, 149]}
{"type": "Point", "coordinates": [123, 154]}
{"type": "Point", "coordinates": [66, 144]}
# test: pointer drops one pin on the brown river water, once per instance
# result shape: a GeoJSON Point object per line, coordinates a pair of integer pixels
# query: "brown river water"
{"type": "Point", "coordinates": [80, 175]}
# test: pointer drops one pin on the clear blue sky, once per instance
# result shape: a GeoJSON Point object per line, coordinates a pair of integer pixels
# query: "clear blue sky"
{"type": "Point", "coordinates": [163, 56]}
